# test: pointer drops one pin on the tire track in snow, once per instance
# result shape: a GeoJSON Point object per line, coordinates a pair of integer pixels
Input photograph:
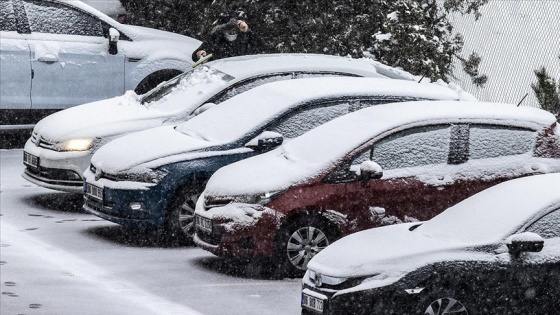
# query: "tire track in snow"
{"type": "Point", "coordinates": [90, 273]}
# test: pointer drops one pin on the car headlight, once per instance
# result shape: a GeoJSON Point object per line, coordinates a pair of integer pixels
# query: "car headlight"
{"type": "Point", "coordinates": [262, 198]}
{"type": "Point", "coordinates": [151, 177]}
{"type": "Point", "coordinates": [337, 283]}
{"type": "Point", "coordinates": [75, 145]}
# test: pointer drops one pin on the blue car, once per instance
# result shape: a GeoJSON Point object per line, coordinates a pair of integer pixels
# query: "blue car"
{"type": "Point", "coordinates": [153, 178]}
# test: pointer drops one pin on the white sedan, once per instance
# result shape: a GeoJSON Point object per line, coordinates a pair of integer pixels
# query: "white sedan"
{"type": "Point", "coordinates": [62, 144]}
{"type": "Point", "coordinates": [56, 54]}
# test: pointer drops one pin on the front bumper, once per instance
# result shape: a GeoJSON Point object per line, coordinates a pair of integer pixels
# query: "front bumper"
{"type": "Point", "coordinates": [239, 238]}
{"type": "Point", "coordinates": [115, 200]}
{"type": "Point", "coordinates": [56, 170]}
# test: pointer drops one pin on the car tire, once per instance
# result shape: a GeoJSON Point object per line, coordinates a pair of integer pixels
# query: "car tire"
{"type": "Point", "coordinates": [446, 306]}
{"type": "Point", "coordinates": [299, 241]}
{"type": "Point", "coordinates": [179, 222]}
{"type": "Point", "coordinates": [154, 79]}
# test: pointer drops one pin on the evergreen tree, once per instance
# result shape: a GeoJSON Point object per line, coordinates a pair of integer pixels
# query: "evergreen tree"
{"type": "Point", "coordinates": [547, 91]}
{"type": "Point", "coordinates": [412, 34]}
{"type": "Point", "coordinates": [470, 66]}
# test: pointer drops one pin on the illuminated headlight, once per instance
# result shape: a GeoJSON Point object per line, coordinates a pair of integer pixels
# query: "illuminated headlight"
{"type": "Point", "coordinates": [261, 199]}
{"type": "Point", "coordinates": [152, 177]}
{"type": "Point", "coordinates": [75, 145]}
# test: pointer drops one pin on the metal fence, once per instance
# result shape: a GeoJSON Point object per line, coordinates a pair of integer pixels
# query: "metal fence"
{"type": "Point", "coordinates": [513, 37]}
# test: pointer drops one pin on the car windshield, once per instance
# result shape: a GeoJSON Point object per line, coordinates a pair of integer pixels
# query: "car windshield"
{"type": "Point", "coordinates": [198, 76]}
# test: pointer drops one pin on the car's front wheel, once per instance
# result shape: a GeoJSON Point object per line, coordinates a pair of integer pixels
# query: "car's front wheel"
{"type": "Point", "coordinates": [298, 242]}
{"type": "Point", "coordinates": [446, 306]}
{"type": "Point", "coordinates": [179, 225]}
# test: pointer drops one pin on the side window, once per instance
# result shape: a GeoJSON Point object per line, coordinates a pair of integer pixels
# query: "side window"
{"type": "Point", "coordinates": [487, 141]}
{"type": "Point", "coordinates": [300, 122]}
{"type": "Point", "coordinates": [547, 226]}
{"type": "Point", "coordinates": [246, 85]}
{"type": "Point", "coordinates": [55, 18]}
{"type": "Point", "coordinates": [7, 16]}
{"type": "Point", "coordinates": [413, 147]}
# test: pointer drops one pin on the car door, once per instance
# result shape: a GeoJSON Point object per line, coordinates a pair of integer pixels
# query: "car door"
{"type": "Point", "coordinates": [69, 56]}
{"type": "Point", "coordinates": [537, 275]}
{"type": "Point", "coordinates": [413, 186]}
{"type": "Point", "coordinates": [15, 68]}
{"type": "Point", "coordinates": [492, 154]}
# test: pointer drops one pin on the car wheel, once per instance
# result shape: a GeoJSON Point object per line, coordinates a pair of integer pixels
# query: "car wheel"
{"type": "Point", "coordinates": [180, 218]}
{"type": "Point", "coordinates": [300, 241]}
{"type": "Point", "coordinates": [154, 79]}
{"type": "Point", "coordinates": [446, 306]}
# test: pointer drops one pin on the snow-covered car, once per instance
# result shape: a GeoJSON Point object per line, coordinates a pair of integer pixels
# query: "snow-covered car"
{"type": "Point", "coordinates": [55, 54]}
{"type": "Point", "coordinates": [62, 144]}
{"type": "Point", "coordinates": [497, 252]}
{"type": "Point", "coordinates": [382, 165]}
{"type": "Point", "coordinates": [153, 178]}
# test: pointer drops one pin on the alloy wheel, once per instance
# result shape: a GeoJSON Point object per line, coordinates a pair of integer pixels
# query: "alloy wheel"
{"type": "Point", "coordinates": [304, 244]}
{"type": "Point", "coordinates": [186, 214]}
{"type": "Point", "coordinates": [446, 306]}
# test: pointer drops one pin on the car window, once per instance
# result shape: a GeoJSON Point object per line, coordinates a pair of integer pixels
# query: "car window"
{"type": "Point", "coordinates": [413, 147]}
{"type": "Point", "coordinates": [55, 18]}
{"type": "Point", "coordinates": [486, 141]}
{"type": "Point", "coordinates": [248, 84]}
{"type": "Point", "coordinates": [7, 17]}
{"type": "Point", "coordinates": [548, 226]}
{"type": "Point", "coordinates": [298, 123]}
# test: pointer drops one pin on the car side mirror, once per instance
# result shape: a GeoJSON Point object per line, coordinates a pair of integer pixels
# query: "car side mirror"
{"type": "Point", "coordinates": [204, 108]}
{"type": "Point", "coordinates": [370, 170]}
{"type": "Point", "coordinates": [524, 242]}
{"type": "Point", "coordinates": [265, 141]}
{"type": "Point", "coordinates": [114, 36]}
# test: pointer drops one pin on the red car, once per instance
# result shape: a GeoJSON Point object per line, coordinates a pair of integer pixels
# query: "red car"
{"type": "Point", "coordinates": [382, 165]}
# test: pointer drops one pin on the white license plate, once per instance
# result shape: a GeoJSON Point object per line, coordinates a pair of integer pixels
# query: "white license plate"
{"type": "Point", "coordinates": [204, 224]}
{"type": "Point", "coordinates": [312, 302]}
{"type": "Point", "coordinates": [94, 191]}
{"type": "Point", "coordinates": [30, 160]}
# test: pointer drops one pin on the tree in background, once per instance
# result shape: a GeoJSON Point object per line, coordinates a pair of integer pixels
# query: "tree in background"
{"type": "Point", "coordinates": [547, 91]}
{"type": "Point", "coordinates": [412, 34]}
{"type": "Point", "coordinates": [470, 66]}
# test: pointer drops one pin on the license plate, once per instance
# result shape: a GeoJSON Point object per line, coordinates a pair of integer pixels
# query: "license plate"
{"type": "Point", "coordinates": [312, 302]}
{"type": "Point", "coordinates": [30, 159]}
{"type": "Point", "coordinates": [204, 224]}
{"type": "Point", "coordinates": [94, 191]}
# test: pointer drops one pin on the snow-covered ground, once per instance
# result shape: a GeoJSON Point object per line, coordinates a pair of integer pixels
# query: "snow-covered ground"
{"type": "Point", "coordinates": [57, 259]}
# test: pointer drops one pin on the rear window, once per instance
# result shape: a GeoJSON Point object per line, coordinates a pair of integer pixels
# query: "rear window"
{"type": "Point", "coordinates": [7, 16]}
{"type": "Point", "coordinates": [487, 141]}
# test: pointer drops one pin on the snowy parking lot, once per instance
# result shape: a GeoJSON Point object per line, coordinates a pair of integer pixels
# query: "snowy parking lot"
{"type": "Point", "coordinates": [57, 259]}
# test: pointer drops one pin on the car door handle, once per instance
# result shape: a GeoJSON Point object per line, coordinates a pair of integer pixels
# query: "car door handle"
{"type": "Point", "coordinates": [48, 59]}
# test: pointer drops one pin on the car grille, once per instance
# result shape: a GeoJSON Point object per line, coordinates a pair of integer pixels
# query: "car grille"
{"type": "Point", "coordinates": [55, 176]}
{"type": "Point", "coordinates": [212, 202]}
{"type": "Point", "coordinates": [210, 238]}
{"type": "Point", "coordinates": [41, 142]}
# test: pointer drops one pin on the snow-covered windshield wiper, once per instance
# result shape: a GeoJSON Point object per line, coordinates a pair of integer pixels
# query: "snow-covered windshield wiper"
{"type": "Point", "coordinates": [164, 88]}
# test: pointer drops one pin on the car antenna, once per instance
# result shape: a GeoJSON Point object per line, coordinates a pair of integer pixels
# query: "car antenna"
{"type": "Point", "coordinates": [422, 78]}
{"type": "Point", "coordinates": [522, 100]}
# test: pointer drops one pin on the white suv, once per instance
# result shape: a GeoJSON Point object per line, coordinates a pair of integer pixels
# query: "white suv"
{"type": "Point", "coordinates": [56, 54]}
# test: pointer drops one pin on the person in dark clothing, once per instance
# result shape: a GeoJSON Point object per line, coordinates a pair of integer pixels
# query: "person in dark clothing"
{"type": "Point", "coordinates": [230, 39]}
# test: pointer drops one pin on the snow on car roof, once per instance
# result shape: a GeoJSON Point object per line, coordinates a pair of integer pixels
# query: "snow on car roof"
{"type": "Point", "coordinates": [244, 66]}
{"type": "Point", "coordinates": [257, 106]}
{"type": "Point", "coordinates": [307, 156]}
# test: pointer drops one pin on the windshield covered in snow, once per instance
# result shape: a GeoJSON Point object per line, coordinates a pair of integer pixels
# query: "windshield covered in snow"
{"type": "Point", "coordinates": [198, 76]}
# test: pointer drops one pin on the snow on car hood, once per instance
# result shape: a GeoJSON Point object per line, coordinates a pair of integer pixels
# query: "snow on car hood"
{"type": "Point", "coordinates": [305, 157]}
{"type": "Point", "coordinates": [99, 119]}
{"type": "Point", "coordinates": [140, 33]}
{"type": "Point", "coordinates": [133, 150]}
{"type": "Point", "coordinates": [486, 218]}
